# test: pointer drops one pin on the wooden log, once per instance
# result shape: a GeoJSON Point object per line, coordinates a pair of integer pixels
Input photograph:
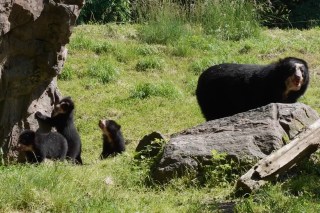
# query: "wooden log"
{"type": "Point", "coordinates": [281, 160]}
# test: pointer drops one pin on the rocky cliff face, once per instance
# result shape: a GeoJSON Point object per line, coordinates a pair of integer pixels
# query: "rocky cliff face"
{"type": "Point", "coordinates": [33, 35]}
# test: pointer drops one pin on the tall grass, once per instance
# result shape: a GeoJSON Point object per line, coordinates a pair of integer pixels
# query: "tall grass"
{"type": "Point", "coordinates": [103, 70]}
{"type": "Point", "coordinates": [229, 20]}
{"type": "Point", "coordinates": [163, 23]}
{"type": "Point", "coordinates": [166, 21]}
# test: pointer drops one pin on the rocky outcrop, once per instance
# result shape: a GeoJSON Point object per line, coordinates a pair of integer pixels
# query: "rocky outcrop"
{"type": "Point", "coordinates": [245, 137]}
{"type": "Point", "coordinates": [33, 35]}
{"type": "Point", "coordinates": [150, 145]}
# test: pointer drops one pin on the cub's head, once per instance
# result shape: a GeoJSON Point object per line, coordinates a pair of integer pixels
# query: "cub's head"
{"type": "Point", "coordinates": [109, 127]}
{"type": "Point", "coordinates": [26, 141]}
{"type": "Point", "coordinates": [65, 106]}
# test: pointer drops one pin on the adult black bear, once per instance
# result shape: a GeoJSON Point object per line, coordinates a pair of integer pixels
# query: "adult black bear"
{"type": "Point", "coordinates": [39, 147]}
{"type": "Point", "coordinates": [113, 141]}
{"type": "Point", "coordinates": [62, 120]}
{"type": "Point", "coordinates": [227, 89]}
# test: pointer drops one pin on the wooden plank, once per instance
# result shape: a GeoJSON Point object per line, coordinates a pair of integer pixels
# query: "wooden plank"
{"type": "Point", "coordinates": [281, 160]}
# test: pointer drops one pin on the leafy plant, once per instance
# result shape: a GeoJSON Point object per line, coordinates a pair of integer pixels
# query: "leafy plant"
{"type": "Point", "coordinates": [150, 63]}
{"type": "Point", "coordinates": [103, 70]}
{"type": "Point", "coordinates": [103, 47]}
{"type": "Point", "coordinates": [222, 171]}
{"type": "Point", "coordinates": [66, 74]}
{"type": "Point", "coordinates": [146, 90]}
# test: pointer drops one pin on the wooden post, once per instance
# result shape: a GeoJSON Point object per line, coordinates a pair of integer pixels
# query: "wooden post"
{"type": "Point", "coordinates": [281, 160]}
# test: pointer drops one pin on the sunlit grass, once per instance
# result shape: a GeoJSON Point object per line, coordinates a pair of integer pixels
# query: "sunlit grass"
{"type": "Point", "coordinates": [152, 99]}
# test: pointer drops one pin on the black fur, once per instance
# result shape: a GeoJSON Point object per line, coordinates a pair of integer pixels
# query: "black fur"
{"type": "Point", "coordinates": [62, 120]}
{"type": "Point", "coordinates": [113, 141]}
{"type": "Point", "coordinates": [227, 89]}
{"type": "Point", "coordinates": [38, 146]}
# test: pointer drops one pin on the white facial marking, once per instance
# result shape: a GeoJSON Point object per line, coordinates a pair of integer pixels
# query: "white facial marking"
{"type": "Point", "coordinates": [103, 124]}
{"type": "Point", "coordinates": [299, 70]}
{"type": "Point", "coordinates": [295, 81]}
{"type": "Point", "coordinates": [58, 110]}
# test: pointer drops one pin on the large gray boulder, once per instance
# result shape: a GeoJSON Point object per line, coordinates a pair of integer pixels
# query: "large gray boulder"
{"type": "Point", "coordinates": [245, 137]}
{"type": "Point", "coordinates": [33, 35]}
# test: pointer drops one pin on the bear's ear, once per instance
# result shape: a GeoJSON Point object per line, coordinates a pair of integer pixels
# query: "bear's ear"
{"type": "Point", "coordinates": [32, 135]}
{"type": "Point", "coordinates": [27, 136]}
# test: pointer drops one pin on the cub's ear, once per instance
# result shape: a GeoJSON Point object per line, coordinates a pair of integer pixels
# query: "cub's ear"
{"type": "Point", "coordinates": [27, 135]}
{"type": "Point", "coordinates": [115, 124]}
{"type": "Point", "coordinates": [31, 134]}
{"type": "Point", "coordinates": [118, 126]}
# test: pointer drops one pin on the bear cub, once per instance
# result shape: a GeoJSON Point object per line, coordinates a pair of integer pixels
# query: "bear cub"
{"type": "Point", "coordinates": [113, 142]}
{"type": "Point", "coordinates": [39, 146]}
{"type": "Point", "coordinates": [62, 119]}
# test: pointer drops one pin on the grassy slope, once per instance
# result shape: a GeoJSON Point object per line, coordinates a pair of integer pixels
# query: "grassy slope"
{"type": "Point", "coordinates": [170, 109]}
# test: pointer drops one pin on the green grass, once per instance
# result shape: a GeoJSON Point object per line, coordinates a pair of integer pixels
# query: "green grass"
{"type": "Point", "coordinates": [146, 90]}
{"type": "Point", "coordinates": [229, 20]}
{"type": "Point", "coordinates": [103, 70]}
{"type": "Point", "coordinates": [165, 22]}
{"type": "Point", "coordinates": [156, 99]}
{"type": "Point", "coordinates": [149, 64]}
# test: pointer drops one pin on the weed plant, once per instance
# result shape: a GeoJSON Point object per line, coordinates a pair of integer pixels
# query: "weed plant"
{"type": "Point", "coordinates": [150, 63]}
{"type": "Point", "coordinates": [103, 70]}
